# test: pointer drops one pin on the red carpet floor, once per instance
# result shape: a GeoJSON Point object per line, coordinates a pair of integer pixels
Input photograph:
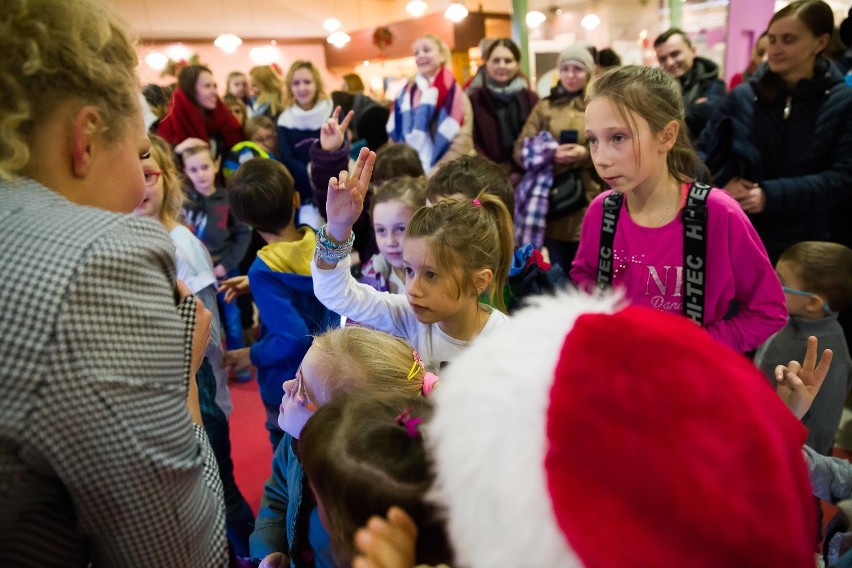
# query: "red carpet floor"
{"type": "Point", "coordinates": [250, 447]}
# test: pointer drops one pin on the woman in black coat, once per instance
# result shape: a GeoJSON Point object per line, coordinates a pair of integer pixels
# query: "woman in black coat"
{"type": "Point", "coordinates": [781, 144]}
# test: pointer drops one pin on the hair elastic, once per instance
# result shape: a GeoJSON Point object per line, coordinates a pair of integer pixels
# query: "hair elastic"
{"type": "Point", "coordinates": [477, 202]}
{"type": "Point", "coordinates": [416, 367]}
{"type": "Point", "coordinates": [429, 383]}
{"type": "Point", "coordinates": [410, 422]}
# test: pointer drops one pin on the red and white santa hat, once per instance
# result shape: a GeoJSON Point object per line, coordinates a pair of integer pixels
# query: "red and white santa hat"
{"type": "Point", "coordinates": [582, 434]}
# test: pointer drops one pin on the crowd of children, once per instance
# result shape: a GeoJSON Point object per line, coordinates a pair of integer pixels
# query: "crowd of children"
{"type": "Point", "coordinates": [591, 418]}
{"type": "Point", "coordinates": [436, 266]}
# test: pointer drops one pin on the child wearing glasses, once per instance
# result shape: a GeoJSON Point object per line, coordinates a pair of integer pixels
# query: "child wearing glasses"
{"type": "Point", "coordinates": [817, 281]}
{"type": "Point", "coordinates": [262, 194]}
{"type": "Point", "coordinates": [162, 202]}
{"type": "Point", "coordinates": [339, 362]}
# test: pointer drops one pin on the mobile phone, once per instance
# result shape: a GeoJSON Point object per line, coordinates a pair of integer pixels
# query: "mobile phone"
{"type": "Point", "coordinates": [568, 136]}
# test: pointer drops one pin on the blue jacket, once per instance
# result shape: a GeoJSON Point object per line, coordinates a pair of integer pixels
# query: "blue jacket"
{"type": "Point", "coordinates": [283, 517]}
{"type": "Point", "coordinates": [803, 162]}
{"type": "Point", "coordinates": [291, 315]}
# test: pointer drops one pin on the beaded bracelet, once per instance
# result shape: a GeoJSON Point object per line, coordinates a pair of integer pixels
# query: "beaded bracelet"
{"type": "Point", "coordinates": [327, 251]}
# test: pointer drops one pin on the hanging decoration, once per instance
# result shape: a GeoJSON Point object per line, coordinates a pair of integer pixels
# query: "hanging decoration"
{"type": "Point", "coordinates": [382, 38]}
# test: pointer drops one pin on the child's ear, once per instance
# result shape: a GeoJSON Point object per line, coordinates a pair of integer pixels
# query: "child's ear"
{"type": "Point", "coordinates": [668, 135]}
{"type": "Point", "coordinates": [815, 304]}
{"type": "Point", "coordinates": [216, 163]}
{"type": "Point", "coordinates": [482, 279]}
{"type": "Point", "coordinates": [297, 200]}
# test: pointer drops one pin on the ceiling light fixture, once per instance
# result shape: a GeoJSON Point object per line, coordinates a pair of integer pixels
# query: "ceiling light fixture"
{"type": "Point", "coordinates": [156, 60]}
{"type": "Point", "coordinates": [416, 8]}
{"type": "Point", "coordinates": [456, 12]}
{"type": "Point", "coordinates": [228, 43]}
{"type": "Point", "coordinates": [338, 39]}
{"type": "Point", "coordinates": [535, 19]}
{"type": "Point", "coordinates": [331, 25]}
{"type": "Point", "coordinates": [590, 21]}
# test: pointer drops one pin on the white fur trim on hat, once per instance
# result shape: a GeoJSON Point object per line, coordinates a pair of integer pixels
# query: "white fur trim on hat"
{"type": "Point", "coordinates": [490, 422]}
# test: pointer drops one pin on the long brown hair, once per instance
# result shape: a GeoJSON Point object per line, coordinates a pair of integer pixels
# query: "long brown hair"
{"type": "Point", "coordinates": [363, 454]}
{"type": "Point", "coordinates": [651, 93]}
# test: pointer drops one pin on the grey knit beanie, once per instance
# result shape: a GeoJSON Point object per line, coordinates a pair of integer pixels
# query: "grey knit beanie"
{"type": "Point", "coordinates": [578, 54]}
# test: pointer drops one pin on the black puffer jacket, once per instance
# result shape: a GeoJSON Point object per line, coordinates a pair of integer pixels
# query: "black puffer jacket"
{"type": "Point", "coordinates": [802, 161]}
{"type": "Point", "coordinates": [702, 93]}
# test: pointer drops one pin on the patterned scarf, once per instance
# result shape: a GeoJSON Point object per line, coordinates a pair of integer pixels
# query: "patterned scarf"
{"type": "Point", "coordinates": [531, 195]}
{"type": "Point", "coordinates": [428, 117]}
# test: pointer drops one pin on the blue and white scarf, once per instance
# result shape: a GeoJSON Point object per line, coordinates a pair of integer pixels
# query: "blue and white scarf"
{"type": "Point", "coordinates": [420, 106]}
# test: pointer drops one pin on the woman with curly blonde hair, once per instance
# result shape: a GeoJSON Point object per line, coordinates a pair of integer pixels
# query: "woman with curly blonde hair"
{"type": "Point", "coordinates": [104, 459]}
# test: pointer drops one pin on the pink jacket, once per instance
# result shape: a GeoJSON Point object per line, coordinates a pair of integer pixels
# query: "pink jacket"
{"type": "Point", "coordinates": [648, 266]}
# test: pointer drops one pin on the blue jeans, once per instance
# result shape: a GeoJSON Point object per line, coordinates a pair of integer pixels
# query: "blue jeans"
{"type": "Point", "coordinates": [231, 320]}
{"type": "Point", "coordinates": [239, 518]}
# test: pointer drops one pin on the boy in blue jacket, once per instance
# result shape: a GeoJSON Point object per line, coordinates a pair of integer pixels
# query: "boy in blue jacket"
{"type": "Point", "coordinates": [262, 194]}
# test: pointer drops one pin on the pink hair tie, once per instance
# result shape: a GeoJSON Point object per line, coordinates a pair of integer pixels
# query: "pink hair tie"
{"type": "Point", "coordinates": [409, 422]}
{"type": "Point", "coordinates": [477, 202]}
{"type": "Point", "coordinates": [429, 383]}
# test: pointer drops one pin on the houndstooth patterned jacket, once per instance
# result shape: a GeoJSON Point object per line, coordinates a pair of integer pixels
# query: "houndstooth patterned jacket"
{"type": "Point", "coordinates": [99, 460]}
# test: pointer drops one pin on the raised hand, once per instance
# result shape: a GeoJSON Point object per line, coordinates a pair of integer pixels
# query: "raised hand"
{"type": "Point", "coordinates": [386, 543]}
{"type": "Point", "coordinates": [346, 194]}
{"type": "Point", "coordinates": [333, 133]}
{"type": "Point", "coordinates": [798, 384]}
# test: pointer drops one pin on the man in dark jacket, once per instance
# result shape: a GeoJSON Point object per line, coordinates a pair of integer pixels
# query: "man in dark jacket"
{"type": "Point", "coordinates": [698, 77]}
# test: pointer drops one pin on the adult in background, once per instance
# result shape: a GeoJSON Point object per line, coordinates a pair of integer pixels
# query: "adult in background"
{"type": "Point", "coordinates": [501, 105]}
{"type": "Point", "coordinates": [197, 112]}
{"type": "Point", "coordinates": [267, 92]}
{"type": "Point", "coordinates": [698, 77]}
{"type": "Point", "coordinates": [781, 143]}
{"type": "Point", "coordinates": [103, 459]}
{"type": "Point", "coordinates": [562, 116]}
{"type": "Point", "coordinates": [431, 113]}
{"type": "Point", "coordinates": [306, 108]}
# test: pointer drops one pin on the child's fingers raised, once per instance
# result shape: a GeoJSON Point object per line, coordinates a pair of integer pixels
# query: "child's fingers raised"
{"type": "Point", "coordinates": [367, 171]}
{"type": "Point", "coordinates": [822, 368]}
{"type": "Point", "coordinates": [380, 551]}
{"type": "Point", "coordinates": [334, 114]}
{"type": "Point", "coordinates": [809, 363]}
{"type": "Point", "coordinates": [360, 163]}
{"type": "Point", "coordinates": [346, 119]}
{"type": "Point", "coordinates": [403, 521]}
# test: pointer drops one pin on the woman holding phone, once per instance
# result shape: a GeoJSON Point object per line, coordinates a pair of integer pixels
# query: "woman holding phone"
{"type": "Point", "coordinates": [501, 104]}
{"type": "Point", "coordinates": [562, 115]}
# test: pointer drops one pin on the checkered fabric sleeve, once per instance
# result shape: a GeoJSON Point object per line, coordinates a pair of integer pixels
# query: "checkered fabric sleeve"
{"type": "Point", "coordinates": [99, 460]}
